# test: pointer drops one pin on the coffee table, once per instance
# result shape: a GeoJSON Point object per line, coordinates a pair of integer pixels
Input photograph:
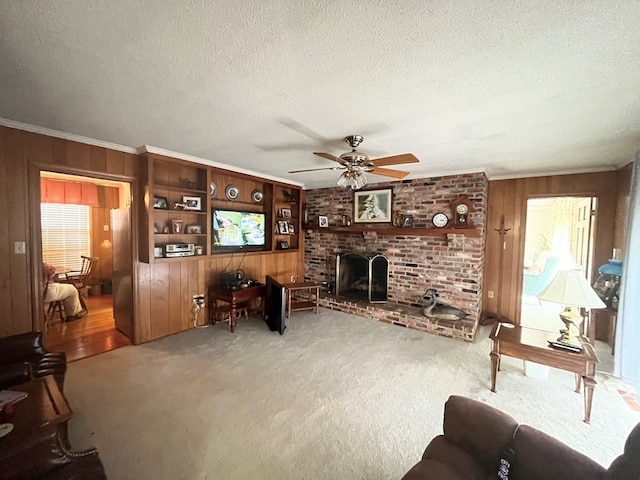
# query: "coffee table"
{"type": "Point", "coordinates": [532, 345]}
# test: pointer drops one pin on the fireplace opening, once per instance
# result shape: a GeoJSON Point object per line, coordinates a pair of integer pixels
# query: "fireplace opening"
{"type": "Point", "coordinates": [362, 278]}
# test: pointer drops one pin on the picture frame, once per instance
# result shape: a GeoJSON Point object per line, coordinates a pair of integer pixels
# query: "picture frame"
{"type": "Point", "coordinates": [160, 203]}
{"type": "Point", "coordinates": [285, 213]}
{"type": "Point", "coordinates": [372, 206]}
{"type": "Point", "coordinates": [407, 221]}
{"type": "Point", "coordinates": [192, 203]}
{"type": "Point", "coordinates": [193, 229]}
{"type": "Point", "coordinates": [283, 227]}
{"type": "Point", "coordinates": [283, 245]}
{"type": "Point", "coordinates": [176, 226]}
{"type": "Point", "coordinates": [323, 221]}
{"type": "Point", "coordinates": [292, 229]}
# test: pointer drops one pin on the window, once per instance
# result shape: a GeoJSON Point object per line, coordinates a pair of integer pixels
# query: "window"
{"type": "Point", "coordinates": [65, 235]}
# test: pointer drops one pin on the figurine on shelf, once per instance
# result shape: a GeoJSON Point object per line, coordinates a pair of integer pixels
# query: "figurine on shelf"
{"type": "Point", "coordinates": [288, 197]}
{"type": "Point", "coordinates": [179, 206]}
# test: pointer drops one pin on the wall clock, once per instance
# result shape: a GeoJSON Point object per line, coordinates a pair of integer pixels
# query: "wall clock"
{"type": "Point", "coordinates": [232, 192]}
{"type": "Point", "coordinates": [461, 208]}
{"type": "Point", "coordinates": [440, 220]}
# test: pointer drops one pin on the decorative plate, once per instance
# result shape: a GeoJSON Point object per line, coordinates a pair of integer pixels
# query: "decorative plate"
{"type": "Point", "coordinates": [232, 192]}
{"type": "Point", "coordinates": [257, 196]}
{"type": "Point", "coordinates": [212, 189]}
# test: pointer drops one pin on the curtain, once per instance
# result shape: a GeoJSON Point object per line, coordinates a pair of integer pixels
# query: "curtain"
{"type": "Point", "coordinates": [627, 353]}
{"type": "Point", "coordinates": [76, 193]}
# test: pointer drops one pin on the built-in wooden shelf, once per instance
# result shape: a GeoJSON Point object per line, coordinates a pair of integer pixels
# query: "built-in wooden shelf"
{"type": "Point", "coordinates": [410, 232]}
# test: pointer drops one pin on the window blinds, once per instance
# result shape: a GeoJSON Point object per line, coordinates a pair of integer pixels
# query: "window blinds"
{"type": "Point", "coordinates": [65, 235]}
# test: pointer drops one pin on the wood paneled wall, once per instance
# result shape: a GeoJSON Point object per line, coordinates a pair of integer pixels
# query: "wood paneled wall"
{"type": "Point", "coordinates": [509, 198]}
{"type": "Point", "coordinates": [622, 207]}
{"type": "Point", "coordinates": [22, 156]}
{"type": "Point", "coordinates": [163, 291]}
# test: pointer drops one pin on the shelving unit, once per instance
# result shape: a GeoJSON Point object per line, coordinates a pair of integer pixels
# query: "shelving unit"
{"type": "Point", "coordinates": [170, 185]}
{"type": "Point", "coordinates": [286, 200]}
{"type": "Point", "coordinates": [167, 180]}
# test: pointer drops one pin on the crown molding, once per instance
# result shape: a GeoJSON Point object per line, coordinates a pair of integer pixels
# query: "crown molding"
{"type": "Point", "coordinates": [27, 127]}
{"type": "Point", "coordinates": [574, 171]}
{"type": "Point", "coordinates": [211, 163]}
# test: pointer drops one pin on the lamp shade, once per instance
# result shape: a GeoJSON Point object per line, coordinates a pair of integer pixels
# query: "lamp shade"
{"type": "Point", "coordinates": [570, 288]}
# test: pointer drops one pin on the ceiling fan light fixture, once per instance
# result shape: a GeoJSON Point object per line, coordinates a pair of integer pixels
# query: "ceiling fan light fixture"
{"type": "Point", "coordinates": [359, 182]}
{"type": "Point", "coordinates": [343, 180]}
{"type": "Point", "coordinates": [353, 178]}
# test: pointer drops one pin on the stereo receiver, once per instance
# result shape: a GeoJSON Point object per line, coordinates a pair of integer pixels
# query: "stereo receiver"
{"type": "Point", "coordinates": [179, 250]}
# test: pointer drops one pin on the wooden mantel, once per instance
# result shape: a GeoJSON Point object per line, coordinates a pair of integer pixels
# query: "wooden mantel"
{"type": "Point", "coordinates": [409, 232]}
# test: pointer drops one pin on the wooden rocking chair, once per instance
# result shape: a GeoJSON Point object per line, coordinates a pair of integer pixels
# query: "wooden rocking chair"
{"type": "Point", "coordinates": [82, 279]}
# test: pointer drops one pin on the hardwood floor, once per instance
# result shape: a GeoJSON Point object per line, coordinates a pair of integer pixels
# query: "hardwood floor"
{"type": "Point", "coordinates": [91, 335]}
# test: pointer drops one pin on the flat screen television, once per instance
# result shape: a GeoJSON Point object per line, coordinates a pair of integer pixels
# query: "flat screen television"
{"type": "Point", "coordinates": [275, 305]}
{"type": "Point", "coordinates": [234, 229]}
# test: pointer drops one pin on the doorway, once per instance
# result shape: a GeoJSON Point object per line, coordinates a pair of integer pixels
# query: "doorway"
{"type": "Point", "coordinates": [559, 234]}
{"type": "Point", "coordinates": [77, 219]}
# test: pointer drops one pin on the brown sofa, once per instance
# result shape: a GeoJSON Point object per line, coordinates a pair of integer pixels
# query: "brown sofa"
{"type": "Point", "coordinates": [475, 435]}
{"type": "Point", "coordinates": [45, 456]}
{"type": "Point", "coordinates": [23, 357]}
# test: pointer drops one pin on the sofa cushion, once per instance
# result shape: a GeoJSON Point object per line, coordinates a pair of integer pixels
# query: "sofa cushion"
{"type": "Point", "coordinates": [479, 429]}
{"type": "Point", "coordinates": [434, 470]}
{"type": "Point", "coordinates": [539, 455]}
{"type": "Point", "coordinates": [443, 451]}
{"type": "Point", "coordinates": [627, 465]}
{"type": "Point", "coordinates": [14, 374]}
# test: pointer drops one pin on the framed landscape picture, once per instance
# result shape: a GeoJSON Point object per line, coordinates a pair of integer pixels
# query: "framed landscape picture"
{"type": "Point", "coordinates": [372, 206]}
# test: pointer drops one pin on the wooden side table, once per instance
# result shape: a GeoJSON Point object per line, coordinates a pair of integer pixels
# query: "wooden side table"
{"type": "Point", "coordinates": [532, 345]}
{"type": "Point", "coordinates": [235, 298]}
{"type": "Point", "coordinates": [312, 296]}
{"type": "Point", "coordinates": [40, 425]}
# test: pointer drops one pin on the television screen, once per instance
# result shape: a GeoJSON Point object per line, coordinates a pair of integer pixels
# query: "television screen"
{"type": "Point", "coordinates": [238, 229]}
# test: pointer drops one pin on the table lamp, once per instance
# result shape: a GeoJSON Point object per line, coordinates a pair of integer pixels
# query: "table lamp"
{"type": "Point", "coordinates": [570, 288]}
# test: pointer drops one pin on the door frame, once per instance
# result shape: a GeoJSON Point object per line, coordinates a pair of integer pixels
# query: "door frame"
{"type": "Point", "coordinates": [35, 226]}
{"type": "Point", "coordinates": [522, 239]}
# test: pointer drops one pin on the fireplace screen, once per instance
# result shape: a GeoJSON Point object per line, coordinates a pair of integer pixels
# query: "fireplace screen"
{"type": "Point", "coordinates": [364, 278]}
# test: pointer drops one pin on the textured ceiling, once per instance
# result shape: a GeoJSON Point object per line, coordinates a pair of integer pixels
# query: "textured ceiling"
{"type": "Point", "coordinates": [513, 88]}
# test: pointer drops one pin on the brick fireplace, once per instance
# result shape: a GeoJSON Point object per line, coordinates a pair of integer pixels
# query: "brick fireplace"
{"type": "Point", "coordinates": [446, 260]}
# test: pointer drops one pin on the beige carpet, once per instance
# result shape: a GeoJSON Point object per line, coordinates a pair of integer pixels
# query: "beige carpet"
{"type": "Point", "coordinates": [336, 397]}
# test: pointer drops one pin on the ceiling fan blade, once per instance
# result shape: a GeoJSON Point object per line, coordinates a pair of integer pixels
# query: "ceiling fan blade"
{"type": "Point", "coordinates": [328, 156]}
{"type": "Point", "coordinates": [395, 160]}
{"type": "Point", "coordinates": [314, 169]}
{"type": "Point", "coordinates": [387, 172]}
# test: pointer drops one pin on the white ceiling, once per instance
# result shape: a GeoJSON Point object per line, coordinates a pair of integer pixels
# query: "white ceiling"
{"type": "Point", "coordinates": [514, 88]}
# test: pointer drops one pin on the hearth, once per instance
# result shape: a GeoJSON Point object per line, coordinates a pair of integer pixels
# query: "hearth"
{"type": "Point", "coordinates": [361, 277]}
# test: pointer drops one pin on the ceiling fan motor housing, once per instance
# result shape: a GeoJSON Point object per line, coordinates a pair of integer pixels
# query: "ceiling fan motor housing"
{"type": "Point", "coordinates": [354, 140]}
{"type": "Point", "coordinates": [355, 158]}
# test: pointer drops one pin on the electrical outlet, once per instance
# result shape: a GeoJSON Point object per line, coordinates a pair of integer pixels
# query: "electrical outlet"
{"type": "Point", "coordinates": [198, 299]}
{"type": "Point", "coordinates": [490, 294]}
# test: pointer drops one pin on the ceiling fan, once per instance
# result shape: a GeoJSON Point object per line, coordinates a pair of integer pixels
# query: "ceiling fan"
{"type": "Point", "coordinates": [355, 164]}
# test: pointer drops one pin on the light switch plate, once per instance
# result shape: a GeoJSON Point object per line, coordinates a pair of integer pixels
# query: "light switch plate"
{"type": "Point", "coordinates": [19, 248]}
